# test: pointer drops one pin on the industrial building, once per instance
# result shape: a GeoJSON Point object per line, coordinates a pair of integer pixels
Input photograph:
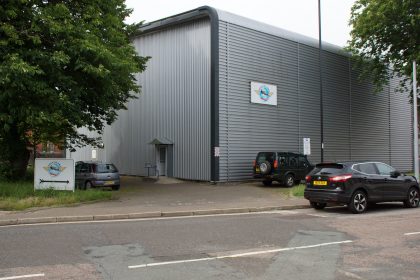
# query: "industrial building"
{"type": "Point", "coordinates": [220, 87]}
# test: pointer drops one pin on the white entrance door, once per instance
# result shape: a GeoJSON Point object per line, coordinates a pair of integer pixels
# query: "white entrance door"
{"type": "Point", "coordinates": [162, 161]}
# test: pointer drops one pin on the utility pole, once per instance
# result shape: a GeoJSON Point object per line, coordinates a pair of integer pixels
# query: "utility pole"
{"type": "Point", "coordinates": [320, 82]}
{"type": "Point", "coordinates": [415, 123]}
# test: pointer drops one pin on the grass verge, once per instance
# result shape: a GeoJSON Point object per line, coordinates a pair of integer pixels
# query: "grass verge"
{"type": "Point", "coordinates": [298, 190]}
{"type": "Point", "coordinates": [21, 195]}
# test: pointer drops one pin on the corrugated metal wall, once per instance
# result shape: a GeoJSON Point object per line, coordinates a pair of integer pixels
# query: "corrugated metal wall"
{"type": "Point", "coordinates": [401, 138]}
{"type": "Point", "coordinates": [358, 124]}
{"type": "Point", "coordinates": [336, 91]}
{"type": "Point", "coordinates": [370, 128]}
{"type": "Point", "coordinates": [246, 128]}
{"type": "Point", "coordinates": [309, 102]}
{"type": "Point", "coordinates": [175, 104]}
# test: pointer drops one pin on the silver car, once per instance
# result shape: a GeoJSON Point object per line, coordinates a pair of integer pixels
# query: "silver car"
{"type": "Point", "coordinates": [96, 174]}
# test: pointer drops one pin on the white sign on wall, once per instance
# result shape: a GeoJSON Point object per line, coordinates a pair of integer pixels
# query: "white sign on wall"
{"type": "Point", "coordinates": [216, 151]}
{"type": "Point", "coordinates": [93, 153]}
{"type": "Point", "coordinates": [263, 93]}
{"type": "Point", "coordinates": [56, 173]}
{"type": "Point", "coordinates": [306, 146]}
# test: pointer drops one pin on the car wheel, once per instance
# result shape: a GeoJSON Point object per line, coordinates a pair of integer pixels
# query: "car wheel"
{"type": "Point", "coordinates": [267, 182]}
{"type": "Point", "coordinates": [116, 188]}
{"type": "Point", "coordinates": [289, 181]}
{"type": "Point", "coordinates": [358, 203]}
{"type": "Point", "coordinates": [413, 199]}
{"type": "Point", "coordinates": [318, 205]}
{"type": "Point", "coordinates": [88, 185]}
{"type": "Point", "coordinates": [265, 167]}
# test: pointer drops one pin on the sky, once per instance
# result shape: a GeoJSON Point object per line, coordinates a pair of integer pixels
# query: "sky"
{"type": "Point", "coordinates": [300, 16]}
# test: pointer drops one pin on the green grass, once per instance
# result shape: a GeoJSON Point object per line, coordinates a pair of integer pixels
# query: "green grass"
{"type": "Point", "coordinates": [298, 190]}
{"type": "Point", "coordinates": [21, 195]}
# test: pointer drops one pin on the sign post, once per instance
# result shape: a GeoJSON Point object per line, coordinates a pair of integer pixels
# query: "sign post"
{"type": "Point", "coordinates": [55, 173]}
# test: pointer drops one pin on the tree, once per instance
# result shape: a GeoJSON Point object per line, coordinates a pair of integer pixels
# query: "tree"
{"type": "Point", "coordinates": [64, 64]}
{"type": "Point", "coordinates": [386, 36]}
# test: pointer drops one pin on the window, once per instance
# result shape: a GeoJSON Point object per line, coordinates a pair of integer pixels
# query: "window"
{"type": "Point", "coordinates": [329, 169]}
{"type": "Point", "coordinates": [293, 161]}
{"type": "Point", "coordinates": [84, 168]}
{"type": "Point", "coordinates": [356, 167]}
{"type": "Point", "coordinates": [265, 157]}
{"type": "Point", "coordinates": [384, 169]}
{"type": "Point", "coordinates": [78, 167]}
{"type": "Point", "coordinates": [48, 148]}
{"type": "Point", "coordinates": [282, 161]}
{"type": "Point", "coordinates": [162, 154]}
{"type": "Point", "coordinates": [303, 162]}
{"type": "Point", "coordinates": [366, 168]}
{"type": "Point", "coordinates": [105, 168]}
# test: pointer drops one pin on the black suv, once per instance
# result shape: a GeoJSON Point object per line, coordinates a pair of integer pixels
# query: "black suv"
{"type": "Point", "coordinates": [359, 183]}
{"type": "Point", "coordinates": [284, 167]}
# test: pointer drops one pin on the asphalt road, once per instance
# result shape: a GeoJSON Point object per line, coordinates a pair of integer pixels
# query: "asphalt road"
{"type": "Point", "coordinates": [301, 244]}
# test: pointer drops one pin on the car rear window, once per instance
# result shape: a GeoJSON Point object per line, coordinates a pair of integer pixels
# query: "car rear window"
{"type": "Point", "coordinates": [265, 157]}
{"type": "Point", "coordinates": [105, 168]}
{"type": "Point", "coordinates": [329, 169]}
{"type": "Point", "coordinates": [366, 168]}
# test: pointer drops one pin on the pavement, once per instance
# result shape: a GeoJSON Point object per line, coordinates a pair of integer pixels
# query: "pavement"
{"type": "Point", "coordinates": [166, 197]}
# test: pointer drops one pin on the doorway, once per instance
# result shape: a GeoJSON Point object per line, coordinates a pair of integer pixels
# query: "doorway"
{"type": "Point", "coordinates": [164, 156]}
{"type": "Point", "coordinates": [162, 160]}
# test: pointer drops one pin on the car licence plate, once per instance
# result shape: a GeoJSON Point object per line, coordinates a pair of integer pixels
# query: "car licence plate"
{"type": "Point", "coordinates": [320, 183]}
{"type": "Point", "coordinates": [109, 182]}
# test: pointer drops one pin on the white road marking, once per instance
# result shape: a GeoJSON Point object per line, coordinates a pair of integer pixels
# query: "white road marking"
{"type": "Point", "coordinates": [412, 233]}
{"type": "Point", "coordinates": [351, 275]}
{"type": "Point", "coordinates": [318, 215]}
{"type": "Point", "coordinates": [23, 276]}
{"type": "Point", "coordinates": [280, 212]}
{"type": "Point", "coordinates": [240, 255]}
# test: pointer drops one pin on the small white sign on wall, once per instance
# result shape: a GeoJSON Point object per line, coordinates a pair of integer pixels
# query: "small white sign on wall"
{"type": "Point", "coordinates": [56, 173]}
{"type": "Point", "coordinates": [263, 93]}
{"type": "Point", "coordinates": [306, 146]}
{"type": "Point", "coordinates": [94, 154]}
{"type": "Point", "coordinates": [216, 151]}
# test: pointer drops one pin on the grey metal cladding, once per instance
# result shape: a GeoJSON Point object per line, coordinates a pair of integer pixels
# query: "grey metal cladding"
{"type": "Point", "coordinates": [245, 128]}
{"type": "Point", "coordinates": [174, 103]}
{"type": "Point", "coordinates": [336, 96]}
{"type": "Point", "coordinates": [370, 130]}
{"type": "Point", "coordinates": [276, 31]}
{"type": "Point", "coordinates": [308, 99]}
{"type": "Point", "coordinates": [358, 124]}
{"type": "Point", "coordinates": [401, 138]}
{"type": "Point", "coordinates": [223, 103]}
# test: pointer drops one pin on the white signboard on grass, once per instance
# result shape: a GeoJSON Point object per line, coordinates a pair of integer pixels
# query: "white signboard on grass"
{"type": "Point", "coordinates": [263, 93]}
{"type": "Point", "coordinates": [56, 173]}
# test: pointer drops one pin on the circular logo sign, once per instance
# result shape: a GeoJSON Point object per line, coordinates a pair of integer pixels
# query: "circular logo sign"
{"type": "Point", "coordinates": [264, 93]}
{"type": "Point", "coordinates": [54, 168]}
